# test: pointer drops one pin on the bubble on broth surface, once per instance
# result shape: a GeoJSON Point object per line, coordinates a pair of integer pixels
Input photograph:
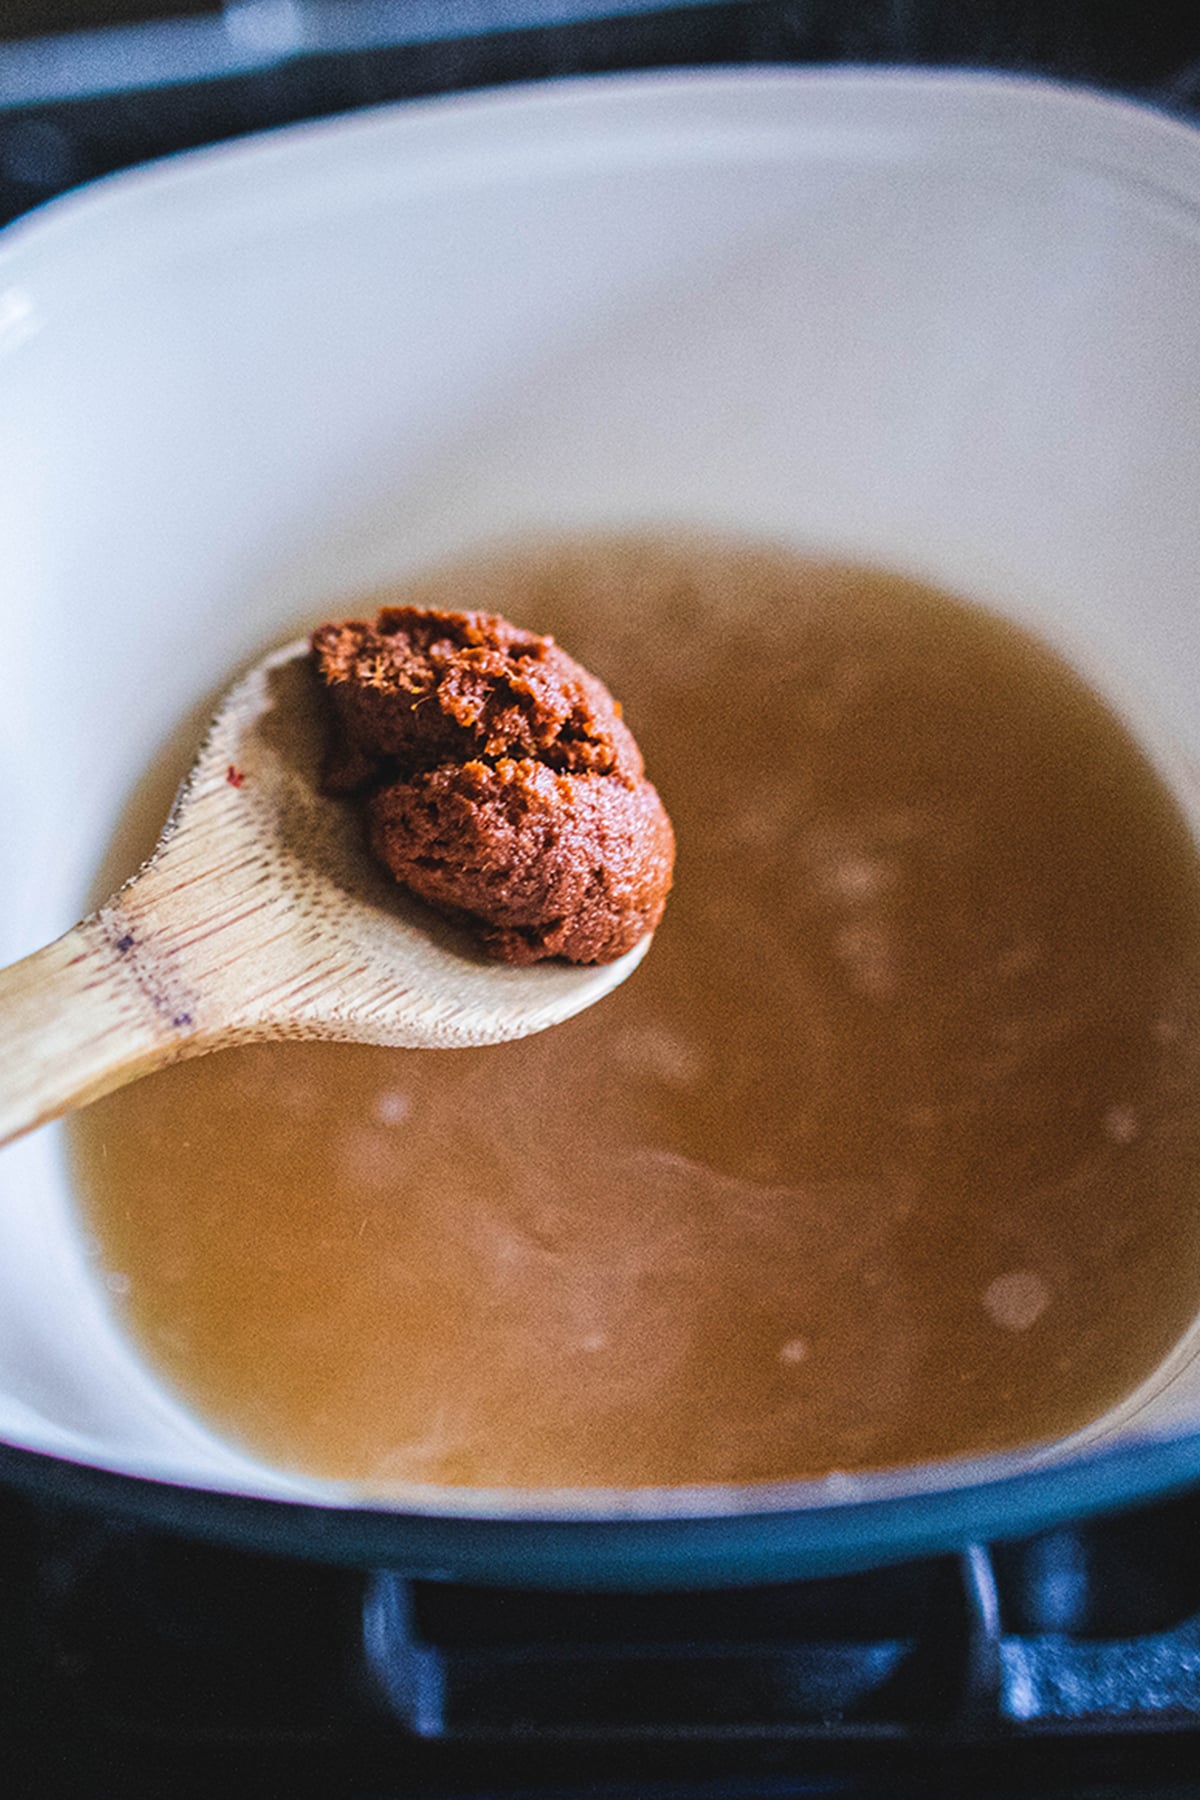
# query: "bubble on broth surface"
{"type": "Point", "coordinates": [1017, 1300]}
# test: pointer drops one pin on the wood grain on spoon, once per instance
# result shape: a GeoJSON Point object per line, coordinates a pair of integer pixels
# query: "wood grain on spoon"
{"type": "Point", "coordinates": [260, 915]}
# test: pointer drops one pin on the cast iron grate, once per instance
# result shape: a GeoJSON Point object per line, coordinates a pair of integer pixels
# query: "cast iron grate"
{"type": "Point", "coordinates": [167, 1663]}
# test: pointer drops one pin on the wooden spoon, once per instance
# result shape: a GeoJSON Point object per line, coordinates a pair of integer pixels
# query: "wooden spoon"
{"type": "Point", "coordinates": [259, 915]}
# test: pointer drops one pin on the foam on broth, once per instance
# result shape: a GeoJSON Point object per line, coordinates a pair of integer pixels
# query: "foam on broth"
{"type": "Point", "coordinates": [888, 1152]}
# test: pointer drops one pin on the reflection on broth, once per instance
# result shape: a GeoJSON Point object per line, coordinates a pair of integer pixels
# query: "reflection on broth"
{"type": "Point", "coordinates": [889, 1150]}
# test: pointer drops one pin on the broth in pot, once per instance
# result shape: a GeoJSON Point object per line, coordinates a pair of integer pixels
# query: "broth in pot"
{"type": "Point", "coordinates": [887, 1153]}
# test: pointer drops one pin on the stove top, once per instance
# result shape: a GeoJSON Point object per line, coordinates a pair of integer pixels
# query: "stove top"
{"type": "Point", "coordinates": [137, 1663]}
{"type": "Point", "coordinates": [133, 1663]}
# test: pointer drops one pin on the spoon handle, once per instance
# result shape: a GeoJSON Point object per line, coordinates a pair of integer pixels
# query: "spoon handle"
{"type": "Point", "coordinates": [78, 1019]}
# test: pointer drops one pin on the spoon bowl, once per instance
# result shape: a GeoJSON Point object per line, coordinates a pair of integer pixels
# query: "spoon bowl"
{"type": "Point", "coordinates": [260, 915]}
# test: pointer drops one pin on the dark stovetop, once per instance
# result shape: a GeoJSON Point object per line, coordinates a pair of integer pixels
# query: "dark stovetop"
{"type": "Point", "coordinates": [136, 1664]}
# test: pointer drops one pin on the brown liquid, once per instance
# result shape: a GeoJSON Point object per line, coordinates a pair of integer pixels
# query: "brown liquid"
{"type": "Point", "coordinates": [888, 1152]}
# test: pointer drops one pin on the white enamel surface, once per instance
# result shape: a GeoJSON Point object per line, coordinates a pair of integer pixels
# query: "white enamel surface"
{"type": "Point", "coordinates": [948, 323]}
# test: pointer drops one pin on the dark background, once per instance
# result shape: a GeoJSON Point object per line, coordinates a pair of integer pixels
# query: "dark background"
{"type": "Point", "coordinates": [91, 101]}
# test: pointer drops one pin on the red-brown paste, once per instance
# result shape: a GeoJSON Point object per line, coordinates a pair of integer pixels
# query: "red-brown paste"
{"type": "Point", "coordinates": [501, 784]}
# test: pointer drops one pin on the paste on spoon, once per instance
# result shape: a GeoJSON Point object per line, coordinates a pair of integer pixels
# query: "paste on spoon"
{"type": "Point", "coordinates": [501, 784]}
